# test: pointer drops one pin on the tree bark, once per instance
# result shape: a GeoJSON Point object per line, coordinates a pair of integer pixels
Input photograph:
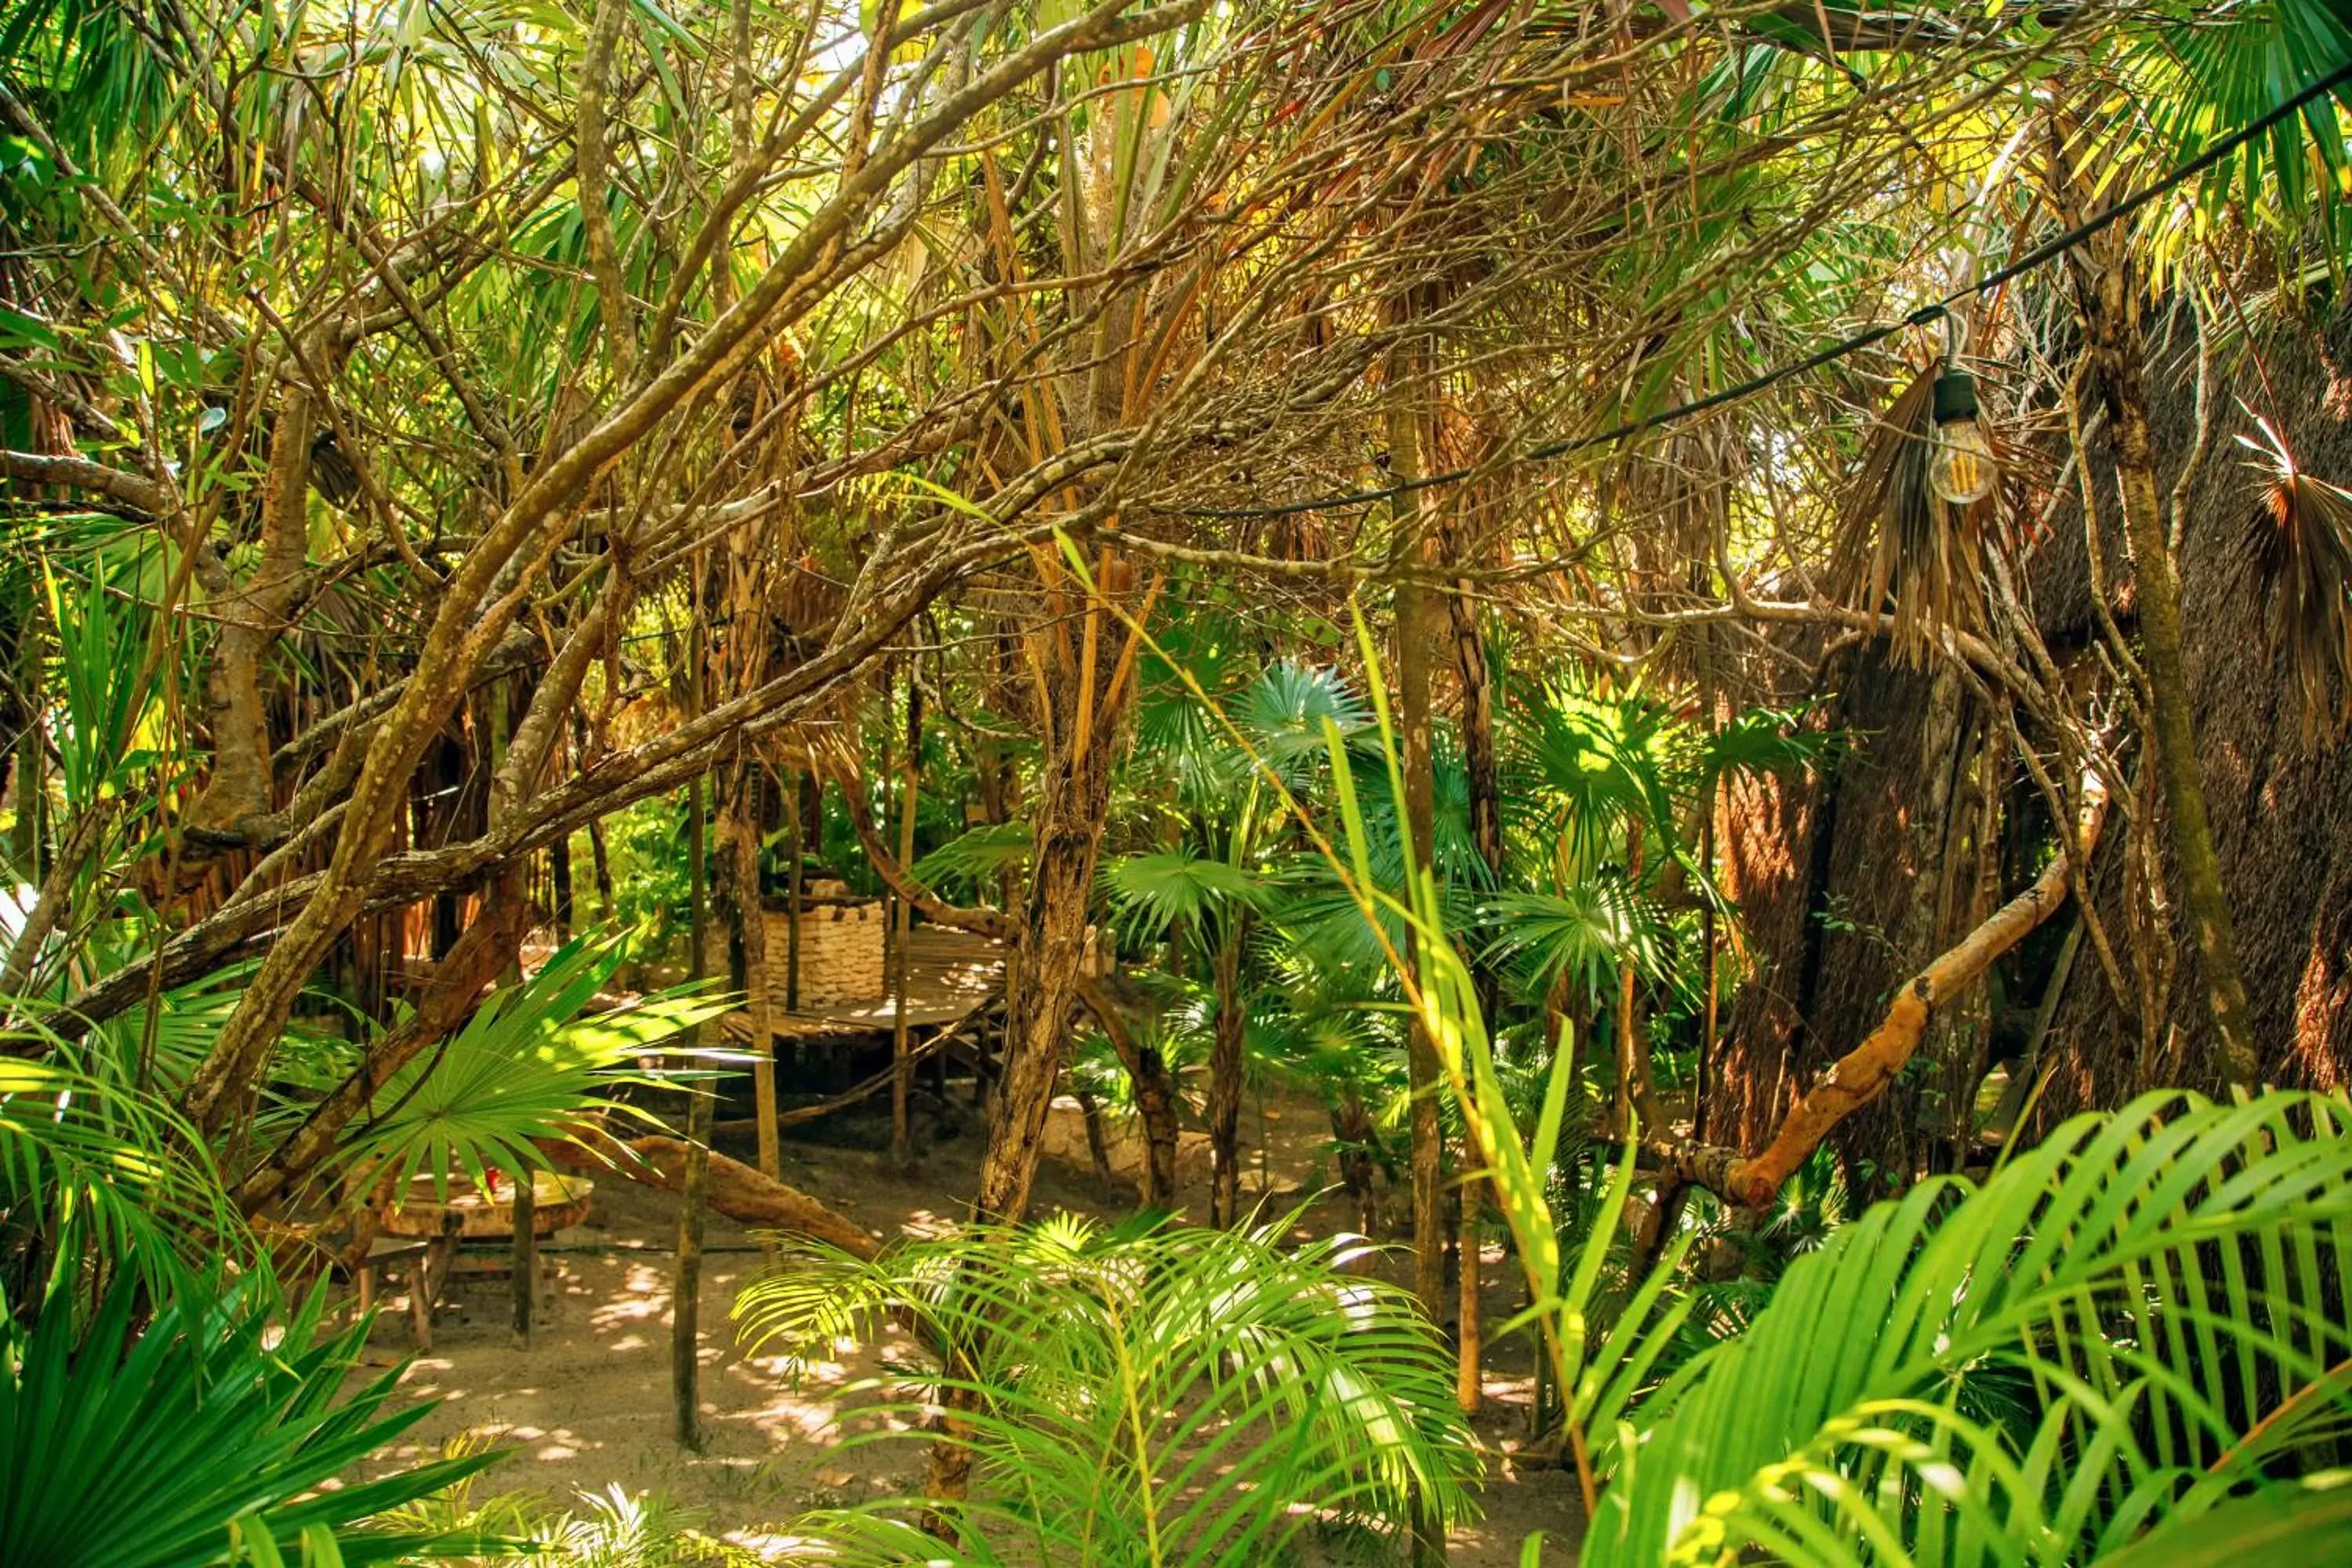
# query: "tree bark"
{"type": "Point", "coordinates": [1225, 1082]}
{"type": "Point", "coordinates": [752, 923]}
{"type": "Point", "coordinates": [2108, 296]}
{"type": "Point", "coordinates": [1155, 1096]}
{"type": "Point", "coordinates": [1863, 1073]}
{"type": "Point", "coordinates": [902, 1077]}
{"type": "Point", "coordinates": [1086, 693]}
{"type": "Point", "coordinates": [732, 1188]}
{"type": "Point", "coordinates": [1412, 679]}
{"type": "Point", "coordinates": [686, 1286]}
{"type": "Point", "coordinates": [1083, 693]}
{"type": "Point", "coordinates": [1484, 777]}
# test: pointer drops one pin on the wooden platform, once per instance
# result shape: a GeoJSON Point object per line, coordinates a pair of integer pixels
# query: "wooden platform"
{"type": "Point", "coordinates": [948, 973]}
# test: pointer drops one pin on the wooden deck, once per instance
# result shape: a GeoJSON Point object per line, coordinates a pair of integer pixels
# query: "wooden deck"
{"type": "Point", "coordinates": [948, 973]}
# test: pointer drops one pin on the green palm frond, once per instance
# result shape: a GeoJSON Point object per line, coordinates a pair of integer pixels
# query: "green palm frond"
{"type": "Point", "coordinates": [970, 862]}
{"type": "Point", "coordinates": [142, 1449]}
{"type": "Point", "coordinates": [1582, 935]}
{"type": "Point", "coordinates": [2164, 1284]}
{"type": "Point", "coordinates": [2310, 1523]}
{"type": "Point", "coordinates": [1587, 765]}
{"type": "Point", "coordinates": [2212, 72]}
{"type": "Point", "coordinates": [1147, 1395]}
{"type": "Point", "coordinates": [1283, 712]}
{"type": "Point", "coordinates": [1152, 895]}
{"type": "Point", "coordinates": [89, 1160]}
{"type": "Point", "coordinates": [1755, 741]}
{"type": "Point", "coordinates": [531, 1064]}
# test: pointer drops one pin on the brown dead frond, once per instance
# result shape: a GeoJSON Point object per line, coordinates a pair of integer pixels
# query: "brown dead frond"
{"type": "Point", "coordinates": [2298, 548]}
{"type": "Point", "coordinates": [1896, 536]}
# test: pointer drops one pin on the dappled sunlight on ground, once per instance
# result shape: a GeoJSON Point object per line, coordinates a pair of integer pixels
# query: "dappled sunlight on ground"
{"type": "Point", "coordinates": [590, 1405]}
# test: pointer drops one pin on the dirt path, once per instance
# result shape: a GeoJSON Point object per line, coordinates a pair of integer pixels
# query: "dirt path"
{"type": "Point", "coordinates": [589, 1406]}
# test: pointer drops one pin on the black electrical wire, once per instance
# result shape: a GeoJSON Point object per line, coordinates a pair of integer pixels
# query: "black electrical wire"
{"type": "Point", "coordinates": [2038, 256]}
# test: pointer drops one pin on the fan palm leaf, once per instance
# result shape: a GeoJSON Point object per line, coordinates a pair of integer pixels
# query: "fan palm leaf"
{"type": "Point", "coordinates": [531, 1064]}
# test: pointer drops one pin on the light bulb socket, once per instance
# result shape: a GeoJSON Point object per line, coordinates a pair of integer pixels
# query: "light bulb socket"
{"type": "Point", "coordinates": [1955, 395]}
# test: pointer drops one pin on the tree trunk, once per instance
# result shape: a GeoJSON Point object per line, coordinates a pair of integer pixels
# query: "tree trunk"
{"type": "Point", "coordinates": [1484, 777]}
{"type": "Point", "coordinates": [1415, 633]}
{"type": "Point", "coordinates": [750, 916]}
{"type": "Point", "coordinates": [1412, 677]}
{"type": "Point", "coordinates": [1225, 1082]}
{"type": "Point", "coordinates": [686, 1286]}
{"type": "Point", "coordinates": [559, 880]}
{"type": "Point", "coordinates": [2108, 296]}
{"type": "Point", "coordinates": [731, 1188]}
{"type": "Point", "coordinates": [1083, 694]}
{"type": "Point", "coordinates": [795, 876]}
{"type": "Point", "coordinates": [1155, 1098]}
{"type": "Point", "coordinates": [524, 1285]}
{"type": "Point", "coordinates": [1636, 1089]}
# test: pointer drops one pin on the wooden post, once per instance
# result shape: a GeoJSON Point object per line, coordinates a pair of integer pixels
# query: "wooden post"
{"type": "Point", "coordinates": [751, 914]}
{"type": "Point", "coordinates": [526, 1254]}
{"type": "Point", "coordinates": [902, 1078]}
{"type": "Point", "coordinates": [794, 836]}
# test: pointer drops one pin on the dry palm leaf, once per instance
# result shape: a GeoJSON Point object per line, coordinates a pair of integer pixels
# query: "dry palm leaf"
{"type": "Point", "coordinates": [1897, 536]}
{"type": "Point", "coordinates": [2298, 546]}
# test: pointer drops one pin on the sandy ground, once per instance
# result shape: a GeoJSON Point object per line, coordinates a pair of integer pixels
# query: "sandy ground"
{"type": "Point", "coordinates": [589, 1405]}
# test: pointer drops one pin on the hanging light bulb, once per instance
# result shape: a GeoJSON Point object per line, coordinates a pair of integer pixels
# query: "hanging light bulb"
{"type": "Point", "coordinates": [1961, 467]}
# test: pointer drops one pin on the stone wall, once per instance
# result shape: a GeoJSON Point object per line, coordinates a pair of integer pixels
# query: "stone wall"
{"type": "Point", "coordinates": [841, 953]}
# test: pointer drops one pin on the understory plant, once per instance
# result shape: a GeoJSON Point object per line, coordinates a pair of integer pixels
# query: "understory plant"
{"type": "Point", "coordinates": [1145, 1394]}
{"type": "Point", "coordinates": [2127, 1344]}
{"type": "Point", "coordinates": [198, 1427]}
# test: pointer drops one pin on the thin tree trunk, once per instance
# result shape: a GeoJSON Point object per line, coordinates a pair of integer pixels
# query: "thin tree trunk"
{"type": "Point", "coordinates": [2108, 295]}
{"type": "Point", "coordinates": [600, 862]}
{"type": "Point", "coordinates": [1636, 1089]}
{"type": "Point", "coordinates": [686, 1288]}
{"type": "Point", "coordinates": [1226, 1083]}
{"type": "Point", "coordinates": [1415, 633]}
{"type": "Point", "coordinates": [525, 1282]}
{"type": "Point", "coordinates": [902, 1077]}
{"type": "Point", "coordinates": [558, 877]}
{"type": "Point", "coordinates": [794, 880]}
{"type": "Point", "coordinates": [752, 923]}
{"type": "Point", "coordinates": [1083, 695]}
{"type": "Point", "coordinates": [1155, 1098]}
{"type": "Point", "coordinates": [1484, 777]}
{"type": "Point", "coordinates": [1710, 1006]}
{"type": "Point", "coordinates": [1413, 661]}
{"type": "Point", "coordinates": [1353, 1132]}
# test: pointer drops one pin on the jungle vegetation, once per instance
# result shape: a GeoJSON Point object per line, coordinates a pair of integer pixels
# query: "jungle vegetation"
{"type": "Point", "coordinates": [1721, 630]}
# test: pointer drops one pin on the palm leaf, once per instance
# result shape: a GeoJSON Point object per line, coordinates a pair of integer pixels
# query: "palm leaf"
{"type": "Point", "coordinates": [123, 1449]}
{"type": "Point", "coordinates": [1147, 1395]}
{"type": "Point", "coordinates": [2297, 549]}
{"type": "Point", "coordinates": [1152, 895]}
{"type": "Point", "coordinates": [2166, 1280]}
{"type": "Point", "coordinates": [531, 1064]}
